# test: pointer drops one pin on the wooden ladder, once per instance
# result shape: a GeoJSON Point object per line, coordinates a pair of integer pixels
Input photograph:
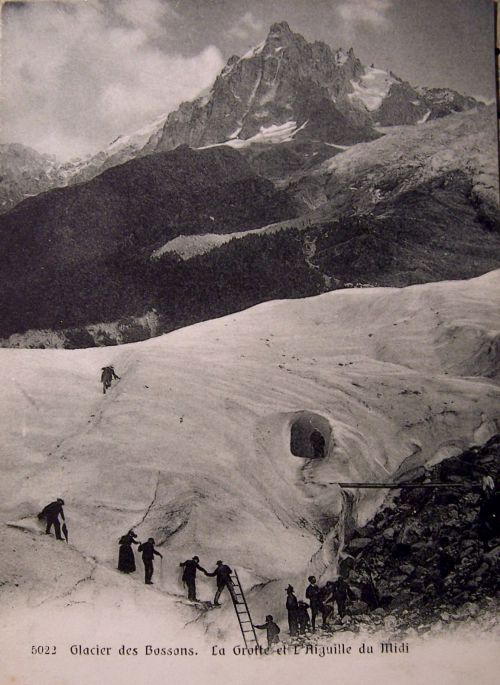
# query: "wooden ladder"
{"type": "Point", "coordinates": [243, 613]}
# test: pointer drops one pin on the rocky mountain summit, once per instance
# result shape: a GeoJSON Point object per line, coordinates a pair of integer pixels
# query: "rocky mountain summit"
{"type": "Point", "coordinates": [284, 79]}
{"type": "Point", "coordinates": [325, 95]}
{"type": "Point", "coordinates": [285, 93]}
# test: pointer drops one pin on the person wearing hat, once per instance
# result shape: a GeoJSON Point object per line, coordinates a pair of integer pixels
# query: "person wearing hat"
{"type": "Point", "coordinates": [148, 553]}
{"type": "Point", "coordinates": [272, 629]}
{"type": "Point", "coordinates": [126, 559]}
{"type": "Point", "coordinates": [314, 595]}
{"type": "Point", "coordinates": [222, 573]}
{"type": "Point", "coordinates": [107, 375]}
{"type": "Point", "coordinates": [292, 608]}
{"type": "Point", "coordinates": [189, 575]}
{"type": "Point", "coordinates": [51, 514]}
{"type": "Point", "coordinates": [339, 591]}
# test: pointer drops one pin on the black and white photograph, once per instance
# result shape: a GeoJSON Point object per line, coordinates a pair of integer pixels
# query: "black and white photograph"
{"type": "Point", "coordinates": [249, 342]}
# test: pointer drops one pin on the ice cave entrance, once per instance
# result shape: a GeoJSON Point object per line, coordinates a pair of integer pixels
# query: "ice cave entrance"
{"type": "Point", "coordinates": [310, 436]}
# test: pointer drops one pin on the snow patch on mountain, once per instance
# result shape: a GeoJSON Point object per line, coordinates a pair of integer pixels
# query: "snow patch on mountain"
{"type": "Point", "coordinates": [372, 88]}
{"type": "Point", "coordinates": [138, 137]}
{"type": "Point", "coordinates": [276, 133]}
{"type": "Point", "coordinates": [253, 52]}
{"type": "Point", "coordinates": [188, 246]}
{"type": "Point", "coordinates": [424, 118]}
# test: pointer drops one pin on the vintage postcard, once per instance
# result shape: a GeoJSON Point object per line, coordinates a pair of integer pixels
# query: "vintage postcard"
{"type": "Point", "coordinates": [249, 342]}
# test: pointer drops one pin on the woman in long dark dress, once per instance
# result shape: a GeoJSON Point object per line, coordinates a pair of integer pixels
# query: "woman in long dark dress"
{"type": "Point", "coordinates": [126, 559]}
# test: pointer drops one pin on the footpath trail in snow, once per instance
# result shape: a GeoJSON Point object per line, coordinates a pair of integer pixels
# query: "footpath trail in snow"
{"type": "Point", "coordinates": [192, 445]}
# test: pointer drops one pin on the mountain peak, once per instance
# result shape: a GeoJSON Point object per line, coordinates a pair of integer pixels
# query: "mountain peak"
{"type": "Point", "coordinates": [280, 27]}
{"type": "Point", "coordinates": [280, 32]}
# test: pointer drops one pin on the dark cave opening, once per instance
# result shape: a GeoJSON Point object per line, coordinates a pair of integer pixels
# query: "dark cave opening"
{"type": "Point", "coordinates": [310, 436]}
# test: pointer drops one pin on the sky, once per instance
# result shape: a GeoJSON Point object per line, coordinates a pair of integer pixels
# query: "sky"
{"type": "Point", "coordinates": [76, 74]}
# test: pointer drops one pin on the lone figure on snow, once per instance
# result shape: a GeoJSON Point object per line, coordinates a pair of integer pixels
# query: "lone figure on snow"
{"type": "Point", "coordinates": [51, 514]}
{"type": "Point", "coordinates": [107, 375]}
{"type": "Point", "coordinates": [148, 553]}
{"type": "Point", "coordinates": [189, 575]}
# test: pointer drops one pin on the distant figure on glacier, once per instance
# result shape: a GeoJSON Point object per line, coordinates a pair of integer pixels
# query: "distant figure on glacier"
{"type": "Point", "coordinates": [107, 375]}
{"type": "Point", "coordinates": [189, 575]}
{"type": "Point", "coordinates": [126, 559]}
{"type": "Point", "coordinates": [148, 553]}
{"type": "Point", "coordinates": [222, 574]}
{"type": "Point", "coordinates": [51, 514]}
{"type": "Point", "coordinates": [273, 631]}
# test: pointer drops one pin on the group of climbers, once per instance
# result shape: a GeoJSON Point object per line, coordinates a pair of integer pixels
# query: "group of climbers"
{"type": "Point", "coordinates": [222, 574]}
{"type": "Point", "coordinates": [126, 564]}
{"type": "Point", "coordinates": [126, 559]}
{"type": "Point", "coordinates": [321, 600]}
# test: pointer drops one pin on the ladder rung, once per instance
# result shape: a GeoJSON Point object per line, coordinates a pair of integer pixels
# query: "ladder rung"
{"type": "Point", "coordinates": [242, 612]}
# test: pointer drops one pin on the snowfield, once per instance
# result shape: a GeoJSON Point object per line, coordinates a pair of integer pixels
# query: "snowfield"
{"type": "Point", "coordinates": [373, 87]}
{"type": "Point", "coordinates": [276, 133]}
{"type": "Point", "coordinates": [192, 447]}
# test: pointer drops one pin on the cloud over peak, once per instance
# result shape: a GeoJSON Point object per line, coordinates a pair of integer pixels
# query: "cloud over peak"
{"type": "Point", "coordinates": [246, 27]}
{"type": "Point", "coordinates": [372, 12]}
{"type": "Point", "coordinates": [75, 77]}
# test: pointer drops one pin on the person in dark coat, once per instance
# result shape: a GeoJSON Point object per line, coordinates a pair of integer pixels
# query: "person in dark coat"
{"type": "Point", "coordinates": [189, 575]}
{"type": "Point", "coordinates": [369, 592]}
{"type": "Point", "coordinates": [222, 574]}
{"type": "Point", "coordinates": [292, 608]}
{"type": "Point", "coordinates": [273, 630]}
{"type": "Point", "coordinates": [126, 559]}
{"type": "Point", "coordinates": [51, 514]}
{"type": "Point", "coordinates": [107, 375]}
{"type": "Point", "coordinates": [148, 553]}
{"type": "Point", "coordinates": [303, 620]}
{"type": "Point", "coordinates": [315, 597]}
{"type": "Point", "coordinates": [339, 591]}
